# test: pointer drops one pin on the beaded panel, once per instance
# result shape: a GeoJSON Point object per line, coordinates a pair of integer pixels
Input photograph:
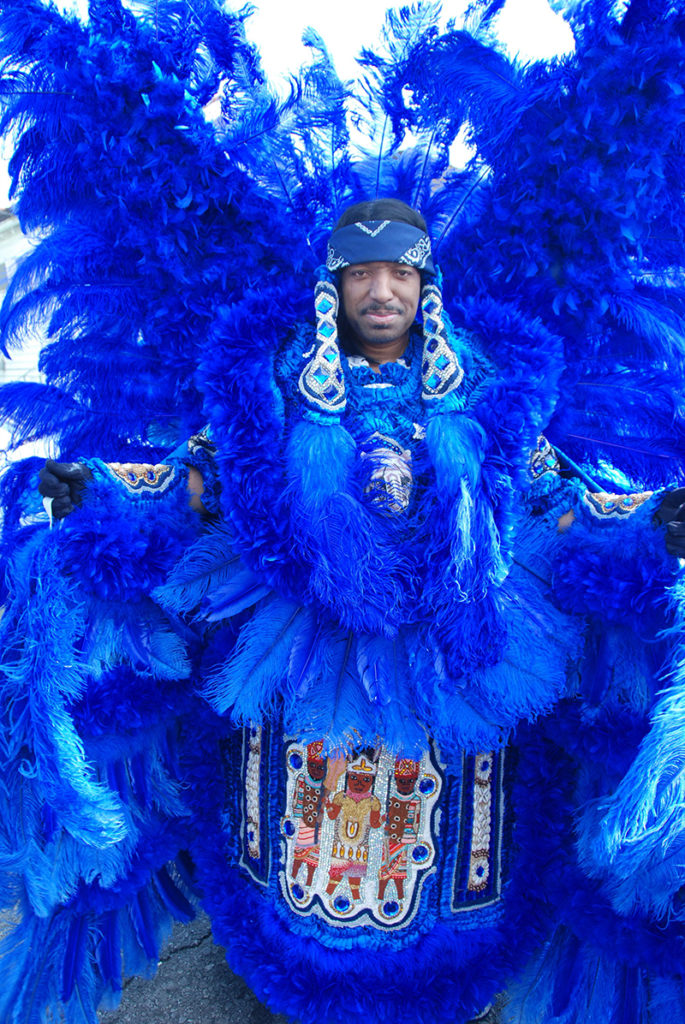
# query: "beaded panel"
{"type": "Point", "coordinates": [477, 877]}
{"type": "Point", "coordinates": [441, 372]}
{"type": "Point", "coordinates": [256, 852]}
{"type": "Point", "coordinates": [142, 477]}
{"type": "Point", "coordinates": [604, 505]}
{"type": "Point", "coordinates": [359, 834]}
{"type": "Point", "coordinates": [321, 382]}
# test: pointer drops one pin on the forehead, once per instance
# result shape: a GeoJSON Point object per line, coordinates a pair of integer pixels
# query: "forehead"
{"type": "Point", "coordinates": [380, 265]}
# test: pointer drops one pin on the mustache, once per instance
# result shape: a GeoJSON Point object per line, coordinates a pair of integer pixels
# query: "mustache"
{"type": "Point", "coordinates": [375, 307]}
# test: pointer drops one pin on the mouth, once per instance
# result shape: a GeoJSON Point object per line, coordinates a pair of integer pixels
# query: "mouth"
{"type": "Point", "coordinates": [380, 316]}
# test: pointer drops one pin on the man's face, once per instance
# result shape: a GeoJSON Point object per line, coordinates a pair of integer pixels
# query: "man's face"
{"type": "Point", "coordinates": [405, 784]}
{"type": "Point", "coordinates": [316, 769]}
{"type": "Point", "coordinates": [359, 782]}
{"type": "Point", "coordinates": [380, 300]}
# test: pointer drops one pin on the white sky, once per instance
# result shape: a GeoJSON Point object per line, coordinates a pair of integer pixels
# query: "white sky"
{"type": "Point", "coordinates": [527, 27]}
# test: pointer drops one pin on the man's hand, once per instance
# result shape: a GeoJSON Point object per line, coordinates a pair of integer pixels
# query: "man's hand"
{"type": "Point", "coordinates": [65, 483]}
{"type": "Point", "coordinates": [671, 513]}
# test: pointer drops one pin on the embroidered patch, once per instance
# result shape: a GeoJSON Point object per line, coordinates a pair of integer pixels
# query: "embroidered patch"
{"type": "Point", "coordinates": [142, 477]}
{"type": "Point", "coordinates": [604, 505]}
{"type": "Point", "coordinates": [389, 486]}
{"type": "Point", "coordinates": [359, 834]}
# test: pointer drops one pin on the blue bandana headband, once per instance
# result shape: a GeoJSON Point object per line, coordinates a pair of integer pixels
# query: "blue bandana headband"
{"type": "Point", "coordinates": [321, 383]}
{"type": "Point", "coordinates": [380, 241]}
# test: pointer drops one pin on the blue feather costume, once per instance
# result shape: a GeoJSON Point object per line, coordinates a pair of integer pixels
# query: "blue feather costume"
{"type": "Point", "coordinates": [171, 683]}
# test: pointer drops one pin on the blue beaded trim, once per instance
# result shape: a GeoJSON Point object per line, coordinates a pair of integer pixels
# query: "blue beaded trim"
{"type": "Point", "coordinates": [441, 371]}
{"type": "Point", "coordinates": [321, 382]}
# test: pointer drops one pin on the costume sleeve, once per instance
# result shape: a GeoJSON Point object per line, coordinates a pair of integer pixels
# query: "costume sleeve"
{"type": "Point", "coordinates": [624, 729]}
{"type": "Point", "coordinates": [97, 696]}
{"type": "Point", "coordinates": [608, 561]}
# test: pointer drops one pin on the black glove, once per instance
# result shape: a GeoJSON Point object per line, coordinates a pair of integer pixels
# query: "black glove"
{"type": "Point", "coordinates": [671, 513]}
{"type": "Point", "coordinates": [65, 483]}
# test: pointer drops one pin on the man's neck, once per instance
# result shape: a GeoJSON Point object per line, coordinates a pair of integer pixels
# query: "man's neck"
{"type": "Point", "coordinates": [389, 353]}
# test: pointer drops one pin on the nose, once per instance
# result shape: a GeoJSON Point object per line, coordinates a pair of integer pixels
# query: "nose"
{"type": "Point", "coordinates": [381, 286]}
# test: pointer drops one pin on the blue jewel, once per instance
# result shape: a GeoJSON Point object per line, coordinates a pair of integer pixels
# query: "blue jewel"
{"type": "Point", "coordinates": [341, 904]}
{"type": "Point", "coordinates": [480, 870]}
{"type": "Point", "coordinates": [298, 892]}
{"type": "Point", "coordinates": [289, 828]}
{"type": "Point", "coordinates": [426, 786]}
{"type": "Point", "coordinates": [250, 835]}
{"type": "Point", "coordinates": [420, 853]}
{"type": "Point", "coordinates": [295, 761]}
{"type": "Point", "coordinates": [391, 908]}
{"type": "Point", "coordinates": [484, 766]}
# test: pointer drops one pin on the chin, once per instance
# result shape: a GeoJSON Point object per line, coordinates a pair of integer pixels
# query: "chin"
{"type": "Point", "coordinates": [381, 338]}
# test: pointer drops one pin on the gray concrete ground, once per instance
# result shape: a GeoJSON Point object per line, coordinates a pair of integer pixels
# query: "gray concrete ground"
{"type": "Point", "coordinates": [194, 985]}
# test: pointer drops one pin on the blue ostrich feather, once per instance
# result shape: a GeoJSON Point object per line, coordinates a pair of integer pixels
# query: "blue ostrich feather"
{"type": "Point", "coordinates": [150, 217]}
{"type": "Point", "coordinates": [248, 685]}
{"type": "Point", "coordinates": [304, 660]}
{"type": "Point", "coordinates": [207, 565]}
{"type": "Point", "coordinates": [633, 838]}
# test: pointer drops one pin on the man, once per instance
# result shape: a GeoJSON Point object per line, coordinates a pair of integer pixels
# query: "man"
{"type": "Point", "coordinates": [389, 612]}
{"type": "Point", "coordinates": [356, 812]}
{"type": "Point", "coordinates": [401, 827]}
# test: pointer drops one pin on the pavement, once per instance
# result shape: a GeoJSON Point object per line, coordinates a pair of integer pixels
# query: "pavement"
{"type": "Point", "coordinates": [194, 985]}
